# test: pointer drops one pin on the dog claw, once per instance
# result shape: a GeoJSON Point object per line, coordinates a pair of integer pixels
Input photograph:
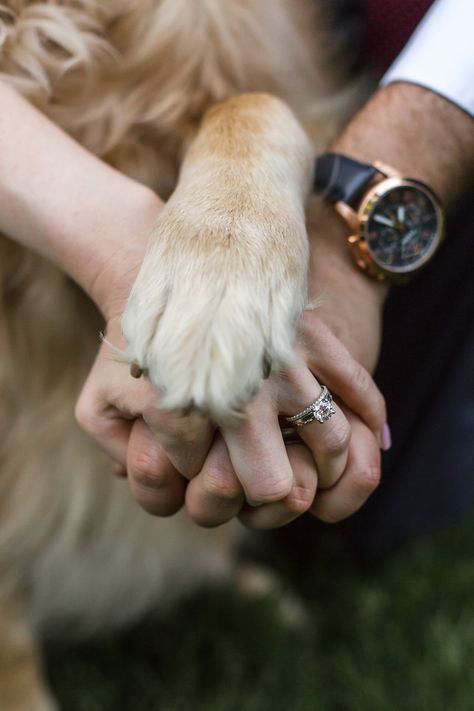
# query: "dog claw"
{"type": "Point", "coordinates": [135, 370]}
{"type": "Point", "coordinates": [266, 367]}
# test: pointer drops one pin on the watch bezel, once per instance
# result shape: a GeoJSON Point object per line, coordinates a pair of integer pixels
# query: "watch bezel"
{"type": "Point", "coordinates": [364, 258]}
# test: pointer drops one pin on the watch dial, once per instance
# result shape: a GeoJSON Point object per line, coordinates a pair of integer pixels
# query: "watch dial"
{"type": "Point", "coordinates": [402, 229]}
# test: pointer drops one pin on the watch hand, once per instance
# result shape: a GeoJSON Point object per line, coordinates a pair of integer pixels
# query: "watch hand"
{"type": "Point", "coordinates": [408, 237]}
{"type": "Point", "coordinates": [401, 214]}
{"type": "Point", "coordinates": [383, 220]}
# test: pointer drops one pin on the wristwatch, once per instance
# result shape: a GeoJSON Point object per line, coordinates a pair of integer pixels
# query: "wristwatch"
{"type": "Point", "coordinates": [396, 223]}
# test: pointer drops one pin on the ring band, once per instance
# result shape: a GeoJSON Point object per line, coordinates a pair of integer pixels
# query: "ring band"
{"type": "Point", "coordinates": [319, 411]}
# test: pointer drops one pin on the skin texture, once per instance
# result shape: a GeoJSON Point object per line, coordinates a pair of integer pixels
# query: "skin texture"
{"type": "Point", "coordinates": [92, 222]}
{"type": "Point", "coordinates": [139, 115]}
{"type": "Point", "coordinates": [95, 227]}
{"type": "Point", "coordinates": [356, 322]}
{"type": "Point", "coordinates": [416, 120]}
{"type": "Point", "coordinates": [205, 311]}
{"type": "Point", "coordinates": [421, 133]}
{"type": "Point", "coordinates": [108, 280]}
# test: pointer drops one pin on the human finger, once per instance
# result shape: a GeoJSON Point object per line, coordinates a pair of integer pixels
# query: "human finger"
{"type": "Point", "coordinates": [105, 424]}
{"type": "Point", "coordinates": [331, 361]}
{"type": "Point", "coordinates": [185, 438]}
{"type": "Point", "coordinates": [328, 440]}
{"type": "Point", "coordinates": [215, 495]}
{"type": "Point", "coordinates": [297, 502]}
{"type": "Point", "coordinates": [360, 479]}
{"type": "Point", "coordinates": [109, 403]}
{"type": "Point", "coordinates": [257, 451]}
{"type": "Point", "coordinates": [153, 480]}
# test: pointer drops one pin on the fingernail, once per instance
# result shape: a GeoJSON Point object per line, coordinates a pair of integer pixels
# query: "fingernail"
{"type": "Point", "coordinates": [254, 504]}
{"type": "Point", "coordinates": [385, 438]}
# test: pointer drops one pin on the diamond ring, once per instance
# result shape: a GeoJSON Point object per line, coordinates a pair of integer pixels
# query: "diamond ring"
{"type": "Point", "coordinates": [319, 411]}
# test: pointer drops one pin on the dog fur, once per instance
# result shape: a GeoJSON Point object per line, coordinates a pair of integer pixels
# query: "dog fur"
{"type": "Point", "coordinates": [132, 80]}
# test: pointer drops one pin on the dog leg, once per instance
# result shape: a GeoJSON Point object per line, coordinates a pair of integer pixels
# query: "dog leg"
{"type": "Point", "coordinates": [21, 684]}
{"type": "Point", "coordinates": [223, 283]}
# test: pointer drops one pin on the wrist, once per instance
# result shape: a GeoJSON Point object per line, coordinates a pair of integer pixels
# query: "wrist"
{"type": "Point", "coordinates": [108, 277]}
{"type": "Point", "coordinates": [342, 296]}
{"type": "Point", "coordinates": [421, 134]}
{"type": "Point", "coordinates": [61, 201]}
{"type": "Point", "coordinates": [402, 127]}
{"type": "Point", "coordinates": [331, 264]}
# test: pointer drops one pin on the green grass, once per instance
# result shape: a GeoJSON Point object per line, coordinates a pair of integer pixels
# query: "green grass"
{"type": "Point", "coordinates": [400, 637]}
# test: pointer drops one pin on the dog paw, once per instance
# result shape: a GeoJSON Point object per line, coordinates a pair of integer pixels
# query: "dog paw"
{"type": "Point", "coordinates": [217, 300]}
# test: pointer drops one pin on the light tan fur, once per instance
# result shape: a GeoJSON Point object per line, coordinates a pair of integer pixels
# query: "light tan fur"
{"type": "Point", "coordinates": [131, 80]}
{"type": "Point", "coordinates": [223, 283]}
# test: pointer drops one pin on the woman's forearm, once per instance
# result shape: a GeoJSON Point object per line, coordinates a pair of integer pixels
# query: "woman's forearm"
{"type": "Point", "coordinates": [59, 200]}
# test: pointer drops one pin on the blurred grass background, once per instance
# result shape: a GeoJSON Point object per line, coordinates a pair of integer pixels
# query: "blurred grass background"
{"type": "Point", "coordinates": [396, 636]}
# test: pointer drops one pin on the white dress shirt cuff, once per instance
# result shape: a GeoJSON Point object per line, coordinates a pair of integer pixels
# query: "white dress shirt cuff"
{"type": "Point", "coordinates": [440, 54]}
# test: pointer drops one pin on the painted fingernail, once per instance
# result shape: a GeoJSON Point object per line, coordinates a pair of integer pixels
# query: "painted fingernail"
{"type": "Point", "coordinates": [385, 438]}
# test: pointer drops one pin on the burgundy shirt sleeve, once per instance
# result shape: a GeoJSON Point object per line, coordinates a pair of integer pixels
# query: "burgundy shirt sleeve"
{"type": "Point", "coordinates": [387, 28]}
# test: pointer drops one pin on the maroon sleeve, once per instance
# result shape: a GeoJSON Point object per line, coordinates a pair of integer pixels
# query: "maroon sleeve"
{"type": "Point", "coordinates": [388, 26]}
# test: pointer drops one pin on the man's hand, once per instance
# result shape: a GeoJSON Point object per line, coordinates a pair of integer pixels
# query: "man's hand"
{"type": "Point", "coordinates": [339, 342]}
{"type": "Point", "coordinates": [338, 461]}
{"type": "Point", "coordinates": [248, 461]}
{"type": "Point", "coordinates": [348, 314]}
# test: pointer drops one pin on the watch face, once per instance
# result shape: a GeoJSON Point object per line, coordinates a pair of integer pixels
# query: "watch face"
{"type": "Point", "coordinates": [403, 228]}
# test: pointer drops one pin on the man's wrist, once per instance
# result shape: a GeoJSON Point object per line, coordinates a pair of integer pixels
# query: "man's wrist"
{"type": "Point", "coordinates": [331, 260]}
{"type": "Point", "coordinates": [422, 136]}
{"type": "Point", "coordinates": [419, 133]}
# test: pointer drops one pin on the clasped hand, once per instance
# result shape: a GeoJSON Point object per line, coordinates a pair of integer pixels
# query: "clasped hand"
{"type": "Point", "coordinates": [246, 470]}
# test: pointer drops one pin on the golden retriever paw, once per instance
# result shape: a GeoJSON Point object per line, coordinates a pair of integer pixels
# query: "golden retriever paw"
{"type": "Point", "coordinates": [216, 302]}
{"type": "Point", "coordinates": [223, 283]}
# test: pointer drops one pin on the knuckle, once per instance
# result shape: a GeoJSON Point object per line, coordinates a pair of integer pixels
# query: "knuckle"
{"type": "Point", "coordinates": [368, 479]}
{"type": "Point", "coordinates": [361, 379]}
{"type": "Point", "coordinates": [160, 507]}
{"type": "Point", "coordinates": [210, 516]}
{"type": "Point", "coordinates": [337, 440]}
{"type": "Point", "coordinates": [144, 471]}
{"type": "Point", "coordinates": [299, 500]}
{"type": "Point", "coordinates": [85, 416]}
{"type": "Point", "coordinates": [364, 385]}
{"type": "Point", "coordinates": [221, 483]}
{"type": "Point", "coordinates": [271, 488]}
{"type": "Point", "coordinates": [328, 515]}
{"type": "Point", "coordinates": [203, 518]}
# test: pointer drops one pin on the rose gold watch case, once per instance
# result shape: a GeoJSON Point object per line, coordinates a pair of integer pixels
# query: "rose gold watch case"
{"type": "Point", "coordinates": [357, 221]}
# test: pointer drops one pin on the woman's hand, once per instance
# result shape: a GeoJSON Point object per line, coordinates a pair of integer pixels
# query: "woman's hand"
{"type": "Point", "coordinates": [249, 462]}
{"type": "Point", "coordinates": [331, 473]}
{"type": "Point", "coordinates": [338, 461]}
{"type": "Point", "coordinates": [93, 222]}
{"type": "Point", "coordinates": [110, 409]}
{"type": "Point", "coordinates": [343, 452]}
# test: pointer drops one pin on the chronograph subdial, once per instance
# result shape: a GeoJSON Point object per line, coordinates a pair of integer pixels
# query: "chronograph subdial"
{"type": "Point", "coordinates": [396, 222]}
{"type": "Point", "coordinates": [402, 228]}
